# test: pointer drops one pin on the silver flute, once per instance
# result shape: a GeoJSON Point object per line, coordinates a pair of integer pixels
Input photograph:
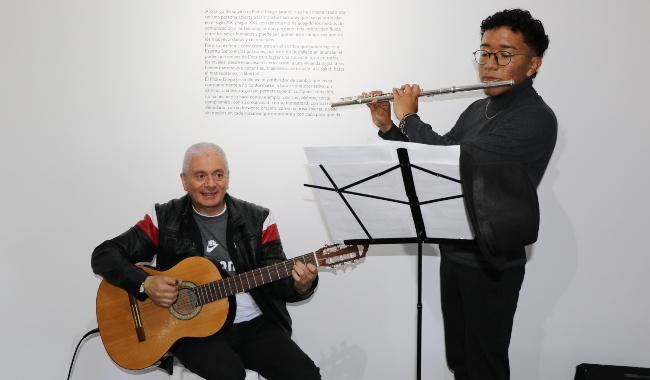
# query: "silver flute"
{"type": "Point", "coordinates": [361, 99]}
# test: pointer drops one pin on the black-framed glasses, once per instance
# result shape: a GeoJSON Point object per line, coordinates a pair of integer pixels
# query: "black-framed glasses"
{"type": "Point", "coordinates": [503, 58]}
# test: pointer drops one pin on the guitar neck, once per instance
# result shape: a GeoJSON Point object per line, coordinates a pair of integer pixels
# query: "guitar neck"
{"type": "Point", "coordinates": [242, 282]}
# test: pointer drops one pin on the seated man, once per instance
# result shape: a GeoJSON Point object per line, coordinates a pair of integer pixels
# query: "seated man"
{"type": "Point", "coordinates": [237, 236]}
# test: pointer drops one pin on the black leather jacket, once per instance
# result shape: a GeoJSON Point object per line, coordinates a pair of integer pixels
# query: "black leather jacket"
{"type": "Point", "coordinates": [179, 238]}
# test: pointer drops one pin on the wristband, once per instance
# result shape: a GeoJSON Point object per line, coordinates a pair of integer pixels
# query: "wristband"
{"type": "Point", "coordinates": [403, 122]}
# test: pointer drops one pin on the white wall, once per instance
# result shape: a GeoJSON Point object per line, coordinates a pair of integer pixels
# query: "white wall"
{"type": "Point", "coordinates": [98, 101]}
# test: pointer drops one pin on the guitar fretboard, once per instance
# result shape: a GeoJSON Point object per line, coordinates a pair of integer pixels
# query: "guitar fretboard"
{"type": "Point", "coordinates": [228, 286]}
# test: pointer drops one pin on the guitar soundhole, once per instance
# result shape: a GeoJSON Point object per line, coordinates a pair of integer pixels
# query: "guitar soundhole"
{"type": "Point", "coordinates": [186, 305]}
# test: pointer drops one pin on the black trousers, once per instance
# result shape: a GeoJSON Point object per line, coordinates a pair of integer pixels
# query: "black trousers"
{"type": "Point", "coordinates": [258, 344]}
{"type": "Point", "coordinates": [478, 308]}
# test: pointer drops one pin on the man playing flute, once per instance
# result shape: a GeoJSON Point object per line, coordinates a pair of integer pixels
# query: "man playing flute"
{"type": "Point", "coordinates": [512, 124]}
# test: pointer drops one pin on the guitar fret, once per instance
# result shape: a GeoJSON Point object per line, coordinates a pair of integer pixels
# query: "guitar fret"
{"type": "Point", "coordinates": [247, 277]}
{"type": "Point", "coordinates": [233, 283]}
{"type": "Point", "coordinates": [222, 290]}
{"type": "Point", "coordinates": [208, 294]}
{"type": "Point", "coordinates": [211, 292]}
{"type": "Point", "coordinates": [208, 291]}
{"type": "Point", "coordinates": [230, 284]}
{"type": "Point", "coordinates": [313, 256]}
{"type": "Point", "coordinates": [242, 282]}
{"type": "Point", "coordinates": [214, 289]}
{"type": "Point", "coordinates": [269, 274]}
{"type": "Point", "coordinates": [203, 295]}
{"type": "Point", "coordinates": [274, 271]}
{"type": "Point", "coordinates": [199, 295]}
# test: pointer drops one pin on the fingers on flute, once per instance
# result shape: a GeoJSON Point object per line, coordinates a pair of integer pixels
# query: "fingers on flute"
{"type": "Point", "coordinates": [409, 87]}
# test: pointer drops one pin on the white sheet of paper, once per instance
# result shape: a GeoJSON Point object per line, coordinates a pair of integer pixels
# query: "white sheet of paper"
{"type": "Point", "coordinates": [380, 217]}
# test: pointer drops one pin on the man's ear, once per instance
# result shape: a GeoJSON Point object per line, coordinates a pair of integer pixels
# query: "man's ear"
{"type": "Point", "coordinates": [183, 179]}
{"type": "Point", "coordinates": [535, 64]}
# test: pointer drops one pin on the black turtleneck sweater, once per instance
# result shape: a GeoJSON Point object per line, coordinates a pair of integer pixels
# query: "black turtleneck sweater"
{"type": "Point", "coordinates": [516, 126]}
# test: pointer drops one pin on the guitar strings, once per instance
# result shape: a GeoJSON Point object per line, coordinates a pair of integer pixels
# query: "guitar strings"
{"type": "Point", "coordinates": [248, 280]}
{"type": "Point", "coordinates": [229, 285]}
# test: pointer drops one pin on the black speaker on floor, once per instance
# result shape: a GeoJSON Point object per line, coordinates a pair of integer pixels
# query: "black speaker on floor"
{"type": "Point", "coordinates": [610, 372]}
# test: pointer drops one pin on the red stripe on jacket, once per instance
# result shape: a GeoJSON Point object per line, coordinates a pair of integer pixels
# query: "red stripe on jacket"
{"type": "Point", "coordinates": [270, 230]}
{"type": "Point", "coordinates": [150, 228]}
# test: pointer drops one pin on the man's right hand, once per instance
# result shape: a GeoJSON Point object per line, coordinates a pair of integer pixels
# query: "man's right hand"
{"type": "Point", "coordinates": [380, 112]}
{"type": "Point", "coordinates": [163, 290]}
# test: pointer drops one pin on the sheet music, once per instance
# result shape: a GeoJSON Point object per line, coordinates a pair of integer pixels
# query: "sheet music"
{"type": "Point", "coordinates": [380, 217]}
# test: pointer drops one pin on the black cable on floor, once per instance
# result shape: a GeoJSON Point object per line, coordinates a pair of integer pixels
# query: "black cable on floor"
{"type": "Point", "coordinates": [93, 331]}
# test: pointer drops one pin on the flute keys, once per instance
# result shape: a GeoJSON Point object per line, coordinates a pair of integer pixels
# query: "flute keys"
{"type": "Point", "coordinates": [357, 97]}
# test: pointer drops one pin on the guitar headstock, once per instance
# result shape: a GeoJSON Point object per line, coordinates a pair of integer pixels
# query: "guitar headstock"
{"type": "Point", "coordinates": [336, 254]}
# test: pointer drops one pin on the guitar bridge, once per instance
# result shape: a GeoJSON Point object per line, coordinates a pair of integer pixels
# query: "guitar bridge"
{"type": "Point", "coordinates": [137, 319]}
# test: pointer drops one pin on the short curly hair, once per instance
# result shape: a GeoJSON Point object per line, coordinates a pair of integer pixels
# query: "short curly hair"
{"type": "Point", "coordinates": [519, 20]}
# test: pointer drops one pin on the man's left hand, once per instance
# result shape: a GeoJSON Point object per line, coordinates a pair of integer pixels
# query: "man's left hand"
{"type": "Point", "coordinates": [405, 100]}
{"type": "Point", "coordinates": [304, 275]}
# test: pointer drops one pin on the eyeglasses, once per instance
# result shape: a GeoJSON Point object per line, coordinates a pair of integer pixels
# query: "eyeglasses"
{"type": "Point", "coordinates": [503, 58]}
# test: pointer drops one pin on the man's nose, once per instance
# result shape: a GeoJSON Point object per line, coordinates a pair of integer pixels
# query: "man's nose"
{"type": "Point", "coordinates": [211, 182]}
{"type": "Point", "coordinates": [492, 62]}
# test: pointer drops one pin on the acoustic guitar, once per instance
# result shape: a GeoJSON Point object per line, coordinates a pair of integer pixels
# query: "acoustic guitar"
{"type": "Point", "coordinates": [136, 333]}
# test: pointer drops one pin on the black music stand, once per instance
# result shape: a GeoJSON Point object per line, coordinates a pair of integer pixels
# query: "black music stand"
{"type": "Point", "coordinates": [421, 236]}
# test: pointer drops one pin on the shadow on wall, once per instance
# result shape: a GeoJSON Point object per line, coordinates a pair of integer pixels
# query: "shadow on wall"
{"type": "Point", "coordinates": [345, 362]}
{"type": "Point", "coordinates": [551, 268]}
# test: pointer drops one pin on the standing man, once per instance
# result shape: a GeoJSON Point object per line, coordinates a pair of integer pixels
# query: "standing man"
{"type": "Point", "coordinates": [237, 236]}
{"type": "Point", "coordinates": [512, 124]}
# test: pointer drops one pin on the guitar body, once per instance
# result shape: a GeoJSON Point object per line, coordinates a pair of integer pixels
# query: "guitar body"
{"type": "Point", "coordinates": [137, 334]}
